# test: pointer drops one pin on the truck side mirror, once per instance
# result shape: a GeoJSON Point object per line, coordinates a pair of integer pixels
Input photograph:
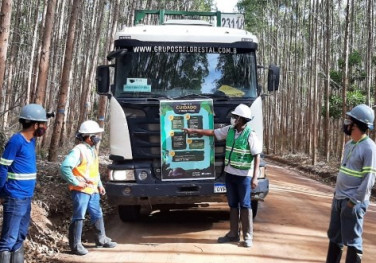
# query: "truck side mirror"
{"type": "Point", "coordinates": [273, 78]}
{"type": "Point", "coordinates": [103, 80]}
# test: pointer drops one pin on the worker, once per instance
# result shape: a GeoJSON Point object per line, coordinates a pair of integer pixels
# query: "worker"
{"type": "Point", "coordinates": [18, 174]}
{"type": "Point", "coordinates": [355, 180]}
{"type": "Point", "coordinates": [242, 159]}
{"type": "Point", "coordinates": [80, 169]}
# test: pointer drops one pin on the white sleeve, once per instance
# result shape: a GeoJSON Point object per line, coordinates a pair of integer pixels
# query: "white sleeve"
{"type": "Point", "coordinates": [254, 143]}
{"type": "Point", "coordinates": [221, 133]}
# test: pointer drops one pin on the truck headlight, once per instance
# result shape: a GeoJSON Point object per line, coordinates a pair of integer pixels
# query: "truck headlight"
{"type": "Point", "coordinates": [261, 174]}
{"type": "Point", "coordinates": [122, 175]}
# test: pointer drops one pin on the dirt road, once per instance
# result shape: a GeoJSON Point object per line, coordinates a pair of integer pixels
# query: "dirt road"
{"type": "Point", "coordinates": [290, 227]}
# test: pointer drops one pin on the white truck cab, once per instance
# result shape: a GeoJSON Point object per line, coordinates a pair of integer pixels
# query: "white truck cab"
{"type": "Point", "coordinates": [167, 77]}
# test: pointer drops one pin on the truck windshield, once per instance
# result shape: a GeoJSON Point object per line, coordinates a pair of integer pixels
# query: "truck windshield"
{"type": "Point", "coordinates": [175, 75]}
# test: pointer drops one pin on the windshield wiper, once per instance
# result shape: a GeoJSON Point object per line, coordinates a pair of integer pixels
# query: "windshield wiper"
{"type": "Point", "coordinates": [193, 95]}
{"type": "Point", "coordinates": [158, 96]}
{"type": "Point", "coordinates": [217, 95]}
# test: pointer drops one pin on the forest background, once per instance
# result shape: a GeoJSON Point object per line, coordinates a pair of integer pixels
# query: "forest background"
{"type": "Point", "coordinates": [49, 51]}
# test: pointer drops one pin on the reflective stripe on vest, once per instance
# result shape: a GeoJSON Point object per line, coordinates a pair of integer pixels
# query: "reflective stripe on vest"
{"type": "Point", "coordinates": [88, 169]}
{"type": "Point", "coordinates": [238, 153]}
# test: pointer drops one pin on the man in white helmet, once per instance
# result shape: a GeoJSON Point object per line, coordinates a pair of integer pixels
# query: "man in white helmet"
{"type": "Point", "coordinates": [18, 174]}
{"type": "Point", "coordinates": [80, 169]}
{"type": "Point", "coordinates": [242, 160]}
{"type": "Point", "coordinates": [355, 180]}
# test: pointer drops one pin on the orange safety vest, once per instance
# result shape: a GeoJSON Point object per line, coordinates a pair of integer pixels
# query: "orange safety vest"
{"type": "Point", "coordinates": [88, 169]}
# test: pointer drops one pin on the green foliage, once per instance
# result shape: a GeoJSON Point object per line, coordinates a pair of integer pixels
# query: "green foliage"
{"type": "Point", "coordinates": [355, 59]}
{"type": "Point", "coordinates": [341, 63]}
{"type": "Point", "coordinates": [204, 5]}
{"type": "Point", "coordinates": [336, 76]}
{"type": "Point", "coordinates": [254, 11]}
{"type": "Point", "coordinates": [357, 74]}
{"type": "Point", "coordinates": [335, 107]}
{"type": "Point", "coordinates": [353, 98]}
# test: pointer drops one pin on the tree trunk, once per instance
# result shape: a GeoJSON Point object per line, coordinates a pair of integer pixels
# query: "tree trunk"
{"type": "Point", "coordinates": [64, 84]}
{"type": "Point", "coordinates": [45, 53]}
{"type": "Point", "coordinates": [345, 79]}
{"type": "Point", "coordinates": [5, 19]}
{"type": "Point", "coordinates": [327, 81]}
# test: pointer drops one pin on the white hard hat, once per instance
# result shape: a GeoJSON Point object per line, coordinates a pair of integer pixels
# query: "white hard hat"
{"type": "Point", "coordinates": [90, 127]}
{"type": "Point", "coordinates": [243, 111]}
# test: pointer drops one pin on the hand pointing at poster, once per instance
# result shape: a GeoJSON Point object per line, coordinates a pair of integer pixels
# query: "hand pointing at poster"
{"type": "Point", "coordinates": [199, 131]}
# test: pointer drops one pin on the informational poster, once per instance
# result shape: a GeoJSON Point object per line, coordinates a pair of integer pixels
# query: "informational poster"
{"type": "Point", "coordinates": [186, 157]}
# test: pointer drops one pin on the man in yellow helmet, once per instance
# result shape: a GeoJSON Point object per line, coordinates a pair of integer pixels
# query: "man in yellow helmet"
{"type": "Point", "coordinates": [81, 170]}
{"type": "Point", "coordinates": [242, 160]}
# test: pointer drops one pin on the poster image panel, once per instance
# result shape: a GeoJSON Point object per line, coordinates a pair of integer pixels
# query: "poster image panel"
{"type": "Point", "coordinates": [183, 156]}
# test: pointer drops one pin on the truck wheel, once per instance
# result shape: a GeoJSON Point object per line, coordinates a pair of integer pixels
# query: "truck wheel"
{"type": "Point", "coordinates": [254, 205]}
{"type": "Point", "coordinates": [129, 213]}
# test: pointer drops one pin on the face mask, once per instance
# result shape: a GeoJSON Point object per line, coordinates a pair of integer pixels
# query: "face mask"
{"type": "Point", "coordinates": [40, 132]}
{"type": "Point", "coordinates": [233, 121]}
{"type": "Point", "coordinates": [95, 140]}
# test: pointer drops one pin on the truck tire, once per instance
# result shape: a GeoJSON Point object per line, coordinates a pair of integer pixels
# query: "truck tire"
{"type": "Point", "coordinates": [254, 206]}
{"type": "Point", "coordinates": [129, 213]}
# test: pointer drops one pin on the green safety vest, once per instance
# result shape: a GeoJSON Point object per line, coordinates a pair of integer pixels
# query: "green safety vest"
{"type": "Point", "coordinates": [238, 153]}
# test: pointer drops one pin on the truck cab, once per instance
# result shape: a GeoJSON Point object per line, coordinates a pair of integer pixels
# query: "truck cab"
{"type": "Point", "coordinates": [177, 62]}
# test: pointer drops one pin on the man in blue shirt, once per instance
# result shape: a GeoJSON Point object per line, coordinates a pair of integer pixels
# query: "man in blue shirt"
{"type": "Point", "coordinates": [18, 172]}
{"type": "Point", "coordinates": [355, 180]}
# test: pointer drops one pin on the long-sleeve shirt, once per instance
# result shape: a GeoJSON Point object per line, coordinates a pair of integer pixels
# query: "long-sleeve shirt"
{"type": "Point", "coordinates": [356, 176]}
{"type": "Point", "coordinates": [72, 160]}
{"type": "Point", "coordinates": [18, 167]}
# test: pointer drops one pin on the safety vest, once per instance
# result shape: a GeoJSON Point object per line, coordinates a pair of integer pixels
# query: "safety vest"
{"type": "Point", "coordinates": [238, 152]}
{"type": "Point", "coordinates": [88, 169]}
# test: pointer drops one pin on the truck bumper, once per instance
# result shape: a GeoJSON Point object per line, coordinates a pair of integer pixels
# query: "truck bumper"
{"type": "Point", "coordinates": [124, 193]}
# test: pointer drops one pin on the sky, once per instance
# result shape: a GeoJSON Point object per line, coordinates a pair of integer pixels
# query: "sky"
{"type": "Point", "coordinates": [226, 5]}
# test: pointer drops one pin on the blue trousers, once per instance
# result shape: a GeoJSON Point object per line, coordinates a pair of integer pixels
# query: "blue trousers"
{"type": "Point", "coordinates": [83, 202]}
{"type": "Point", "coordinates": [346, 224]}
{"type": "Point", "coordinates": [238, 191]}
{"type": "Point", "coordinates": [16, 220]}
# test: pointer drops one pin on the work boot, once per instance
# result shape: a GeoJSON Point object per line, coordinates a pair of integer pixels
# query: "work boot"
{"type": "Point", "coordinates": [334, 253]}
{"type": "Point", "coordinates": [74, 236]}
{"type": "Point", "coordinates": [101, 240]}
{"type": "Point", "coordinates": [247, 226]}
{"type": "Point", "coordinates": [18, 256]}
{"type": "Point", "coordinates": [233, 235]}
{"type": "Point", "coordinates": [353, 255]}
{"type": "Point", "coordinates": [5, 256]}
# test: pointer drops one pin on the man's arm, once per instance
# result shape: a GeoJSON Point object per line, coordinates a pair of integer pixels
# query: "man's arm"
{"type": "Point", "coordinates": [71, 161]}
{"type": "Point", "coordinates": [199, 131]}
{"type": "Point", "coordinates": [369, 172]}
{"type": "Point", "coordinates": [256, 164]}
{"type": "Point", "coordinates": [6, 160]}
